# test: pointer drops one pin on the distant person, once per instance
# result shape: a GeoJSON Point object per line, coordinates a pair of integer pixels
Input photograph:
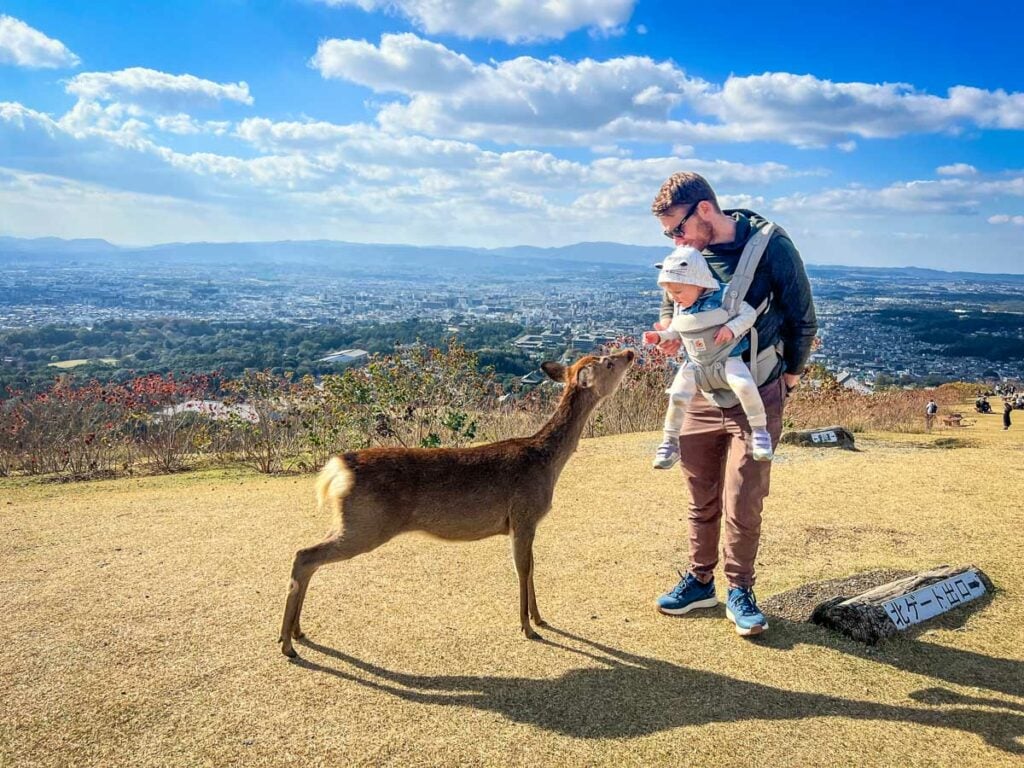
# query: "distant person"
{"type": "Point", "coordinates": [696, 295]}
{"type": "Point", "coordinates": [1007, 408]}
{"type": "Point", "coordinates": [929, 414]}
{"type": "Point", "coordinates": [722, 476]}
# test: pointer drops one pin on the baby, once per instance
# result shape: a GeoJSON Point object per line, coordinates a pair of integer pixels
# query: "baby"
{"type": "Point", "coordinates": [686, 277]}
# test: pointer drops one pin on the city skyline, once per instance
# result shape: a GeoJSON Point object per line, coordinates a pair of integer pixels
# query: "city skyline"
{"type": "Point", "coordinates": [469, 124]}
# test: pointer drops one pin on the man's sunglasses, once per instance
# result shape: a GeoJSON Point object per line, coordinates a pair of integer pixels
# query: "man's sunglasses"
{"type": "Point", "coordinates": [677, 230]}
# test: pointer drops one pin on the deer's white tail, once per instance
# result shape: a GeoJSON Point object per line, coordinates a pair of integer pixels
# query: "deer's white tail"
{"type": "Point", "coordinates": [332, 485]}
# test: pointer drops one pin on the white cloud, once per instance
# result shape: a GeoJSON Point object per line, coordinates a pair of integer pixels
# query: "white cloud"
{"type": "Point", "coordinates": [510, 20]}
{"type": "Point", "coordinates": [24, 46]}
{"type": "Point", "coordinates": [522, 100]}
{"type": "Point", "coordinates": [957, 169]}
{"type": "Point", "coordinates": [28, 201]}
{"type": "Point", "coordinates": [553, 101]}
{"type": "Point", "coordinates": [1003, 218]}
{"type": "Point", "coordinates": [186, 125]}
{"type": "Point", "coordinates": [347, 180]}
{"type": "Point", "coordinates": [807, 111]}
{"type": "Point", "coordinates": [156, 91]}
{"type": "Point", "coordinates": [404, 63]}
{"type": "Point", "coordinates": [945, 197]}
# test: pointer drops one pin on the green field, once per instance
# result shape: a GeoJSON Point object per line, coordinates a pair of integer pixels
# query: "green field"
{"type": "Point", "coordinates": [142, 617]}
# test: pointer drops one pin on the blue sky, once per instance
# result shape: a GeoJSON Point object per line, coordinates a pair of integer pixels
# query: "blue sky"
{"type": "Point", "coordinates": [878, 134]}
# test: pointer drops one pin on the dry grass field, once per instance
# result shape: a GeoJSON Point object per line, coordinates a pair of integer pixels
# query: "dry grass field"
{"type": "Point", "coordinates": [140, 619]}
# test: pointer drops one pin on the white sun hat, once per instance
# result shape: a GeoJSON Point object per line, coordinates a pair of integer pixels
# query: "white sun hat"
{"type": "Point", "coordinates": [687, 265]}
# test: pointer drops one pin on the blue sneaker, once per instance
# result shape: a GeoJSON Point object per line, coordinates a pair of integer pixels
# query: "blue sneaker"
{"type": "Point", "coordinates": [742, 610]}
{"type": "Point", "coordinates": [688, 594]}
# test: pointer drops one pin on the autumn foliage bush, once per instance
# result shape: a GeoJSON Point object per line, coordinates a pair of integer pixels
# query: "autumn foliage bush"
{"type": "Point", "coordinates": [415, 397]}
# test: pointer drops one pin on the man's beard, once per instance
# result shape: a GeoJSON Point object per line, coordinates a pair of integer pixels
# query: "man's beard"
{"type": "Point", "coordinates": [703, 236]}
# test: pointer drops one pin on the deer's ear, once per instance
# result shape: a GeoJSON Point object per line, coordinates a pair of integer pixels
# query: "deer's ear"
{"type": "Point", "coordinates": [585, 378]}
{"type": "Point", "coordinates": [555, 371]}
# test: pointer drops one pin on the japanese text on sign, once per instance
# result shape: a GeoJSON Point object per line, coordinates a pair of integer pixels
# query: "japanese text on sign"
{"type": "Point", "coordinates": [930, 601]}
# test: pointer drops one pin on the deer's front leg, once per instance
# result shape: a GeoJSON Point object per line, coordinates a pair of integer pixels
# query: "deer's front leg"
{"type": "Point", "coordinates": [522, 553]}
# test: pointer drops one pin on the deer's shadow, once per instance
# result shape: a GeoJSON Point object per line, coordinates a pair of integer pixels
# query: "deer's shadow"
{"type": "Point", "coordinates": [629, 695]}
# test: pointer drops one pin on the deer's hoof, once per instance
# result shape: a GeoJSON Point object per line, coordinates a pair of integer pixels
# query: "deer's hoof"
{"type": "Point", "coordinates": [298, 634]}
{"type": "Point", "coordinates": [288, 651]}
{"type": "Point", "coordinates": [540, 622]}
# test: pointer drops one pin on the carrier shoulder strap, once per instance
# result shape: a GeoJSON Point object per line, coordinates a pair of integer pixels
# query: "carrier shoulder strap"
{"type": "Point", "coordinates": [741, 280]}
{"type": "Point", "coordinates": [743, 276]}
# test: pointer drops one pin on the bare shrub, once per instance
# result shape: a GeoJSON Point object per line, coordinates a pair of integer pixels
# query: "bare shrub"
{"type": "Point", "coordinates": [639, 404]}
{"type": "Point", "coordinates": [263, 420]}
{"type": "Point", "coordinates": [415, 397]}
{"type": "Point", "coordinates": [169, 417]}
{"type": "Point", "coordinates": [822, 401]}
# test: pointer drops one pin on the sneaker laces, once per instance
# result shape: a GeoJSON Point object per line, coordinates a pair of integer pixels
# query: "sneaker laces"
{"type": "Point", "coordinates": [746, 602]}
{"type": "Point", "coordinates": [665, 450]}
{"type": "Point", "coordinates": [682, 586]}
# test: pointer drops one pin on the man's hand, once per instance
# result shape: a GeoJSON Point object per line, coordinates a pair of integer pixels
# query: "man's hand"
{"type": "Point", "coordinates": [792, 381]}
{"type": "Point", "coordinates": [724, 335]}
{"type": "Point", "coordinates": [671, 346]}
{"type": "Point", "coordinates": [651, 337]}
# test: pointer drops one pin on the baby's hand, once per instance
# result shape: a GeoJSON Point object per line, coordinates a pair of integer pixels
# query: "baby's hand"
{"type": "Point", "coordinates": [724, 335]}
{"type": "Point", "coordinates": [651, 337]}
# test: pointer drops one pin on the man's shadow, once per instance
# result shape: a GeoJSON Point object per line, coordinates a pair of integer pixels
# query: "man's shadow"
{"type": "Point", "coordinates": [910, 654]}
{"type": "Point", "coordinates": [630, 695]}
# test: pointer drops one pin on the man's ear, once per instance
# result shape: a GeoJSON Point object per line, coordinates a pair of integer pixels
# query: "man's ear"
{"type": "Point", "coordinates": [555, 371]}
{"type": "Point", "coordinates": [585, 378]}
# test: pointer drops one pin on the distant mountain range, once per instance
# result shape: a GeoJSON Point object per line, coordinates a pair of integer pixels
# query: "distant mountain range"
{"type": "Point", "coordinates": [392, 259]}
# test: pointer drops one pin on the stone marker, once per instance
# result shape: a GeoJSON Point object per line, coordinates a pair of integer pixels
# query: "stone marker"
{"type": "Point", "coordinates": [884, 611]}
{"type": "Point", "coordinates": [822, 437]}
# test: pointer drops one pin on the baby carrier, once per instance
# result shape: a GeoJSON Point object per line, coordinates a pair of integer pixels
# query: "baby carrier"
{"type": "Point", "coordinates": [698, 329]}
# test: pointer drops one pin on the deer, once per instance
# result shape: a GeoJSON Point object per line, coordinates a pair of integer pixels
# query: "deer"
{"type": "Point", "coordinates": [455, 494]}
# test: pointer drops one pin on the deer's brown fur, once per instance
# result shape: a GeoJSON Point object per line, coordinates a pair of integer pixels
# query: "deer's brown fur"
{"type": "Point", "coordinates": [460, 494]}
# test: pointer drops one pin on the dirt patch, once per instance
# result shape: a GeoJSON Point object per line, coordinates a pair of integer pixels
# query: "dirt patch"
{"type": "Point", "coordinates": [821, 535]}
{"type": "Point", "coordinates": [798, 604]}
{"type": "Point", "coordinates": [949, 443]}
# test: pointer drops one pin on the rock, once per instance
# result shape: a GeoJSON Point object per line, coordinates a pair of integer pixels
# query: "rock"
{"type": "Point", "coordinates": [820, 437]}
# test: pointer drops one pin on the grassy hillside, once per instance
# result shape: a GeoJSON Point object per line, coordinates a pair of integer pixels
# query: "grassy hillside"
{"type": "Point", "coordinates": [142, 617]}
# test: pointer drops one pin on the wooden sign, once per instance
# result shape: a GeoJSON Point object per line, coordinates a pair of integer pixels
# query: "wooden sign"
{"type": "Point", "coordinates": [894, 607]}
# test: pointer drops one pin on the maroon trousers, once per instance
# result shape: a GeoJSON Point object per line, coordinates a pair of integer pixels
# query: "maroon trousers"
{"type": "Point", "coordinates": [724, 480]}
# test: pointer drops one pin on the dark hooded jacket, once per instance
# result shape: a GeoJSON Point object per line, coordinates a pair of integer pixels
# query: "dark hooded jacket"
{"type": "Point", "coordinates": [781, 276]}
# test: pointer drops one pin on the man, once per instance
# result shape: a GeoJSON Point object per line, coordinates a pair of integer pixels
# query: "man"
{"type": "Point", "coordinates": [929, 414]}
{"type": "Point", "coordinates": [723, 479]}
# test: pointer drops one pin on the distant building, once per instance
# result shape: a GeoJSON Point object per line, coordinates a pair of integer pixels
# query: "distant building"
{"type": "Point", "coordinates": [346, 358]}
{"type": "Point", "coordinates": [846, 379]}
{"type": "Point", "coordinates": [533, 378]}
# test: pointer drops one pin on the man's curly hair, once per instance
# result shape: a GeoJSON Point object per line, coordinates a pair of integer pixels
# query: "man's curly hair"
{"type": "Point", "coordinates": [683, 188]}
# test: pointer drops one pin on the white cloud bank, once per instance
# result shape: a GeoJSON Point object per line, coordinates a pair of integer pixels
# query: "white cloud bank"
{"type": "Point", "coordinates": [25, 46]}
{"type": "Point", "coordinates": [553, 101]}
{"type": "Point", "coordinates": [514, 21]}
{"type": "Point", "coordinates": [157, 91]}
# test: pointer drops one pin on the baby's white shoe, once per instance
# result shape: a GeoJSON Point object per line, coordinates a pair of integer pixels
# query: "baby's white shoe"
{"type": "Point", "coordinates": [761, 444]}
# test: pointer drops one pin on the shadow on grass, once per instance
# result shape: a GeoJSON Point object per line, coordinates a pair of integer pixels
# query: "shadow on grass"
{"type": "Point", "coordinates": [631, 695]}
{"type": "Point", "coordinates": [967, 668]}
